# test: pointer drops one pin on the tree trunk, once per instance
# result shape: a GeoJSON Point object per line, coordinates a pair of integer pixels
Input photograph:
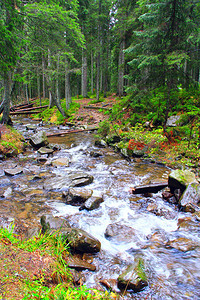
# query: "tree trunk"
{"type": "Point", "coordinates": [67, 85]}
{"type": "Point", "coordinates": [57, 78]}
{"type": "Point", "coordinates": [84, 74]}
{"type": "Point", "coordinates": [121, 69]}
{"type": "Point", "coordinates": [6, 101]}
{"type": "Point", "coordinates": [92, 71]}
{"type": "Point", "coordinates": [38, 87]}
{"type": "Point", "coordinates": [43, 77]}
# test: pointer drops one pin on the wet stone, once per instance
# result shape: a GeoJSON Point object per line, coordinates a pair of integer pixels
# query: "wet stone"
{"type": "Point", "coordinates": [92, 203]}
{"type": "Point", "coordinates": [50, 222]}
{"type": "Point", "coordinates": [120, 232]}
{"type": "Point", "coordinates": [64, 161]}
{"type": "Point", "coordinates": [39, 139]}
{"type": "Point", "coordinates": [78, 195]}
{"type": "Point", "coordinates": [81, 241]}
{"type": "Point", "coordinates": [191, 198]}
{"type": "Point", "coordinates": [134, 277]}
{"type": "Point", "coordinates": [78, 264]}
{"type": "Point", "coordinates": [14, 171]}
{"type": "Point", "coordinates": [180, 179]}
{"type": "Point", "coordinates": [183, 244]}
{"type": "Point", "coordinates": [44, 150]}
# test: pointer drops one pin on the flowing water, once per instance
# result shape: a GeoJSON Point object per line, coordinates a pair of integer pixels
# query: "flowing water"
{"type": "Point", "coordinates": [167, 239]}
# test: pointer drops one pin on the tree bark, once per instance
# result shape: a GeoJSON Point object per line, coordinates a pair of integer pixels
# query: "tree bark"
{"type": "Point", "coordinates": [84, 74]}
{"type": "Point", "coordinates": [43, 77]}
{"type": "Point", "coordinates": [6, 101]}
{"type": "Point", "coordinates": [121, 68]}
{"type": "Point", "coordinates": [67, 85]}
{"type": "Point", "coordinates": [92, 76]}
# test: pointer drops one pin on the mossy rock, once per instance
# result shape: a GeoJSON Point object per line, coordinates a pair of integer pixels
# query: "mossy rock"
{"type": "Point", "coordinates": [134, 277]}
{"type": "Point", "coordinates": [180, 179]}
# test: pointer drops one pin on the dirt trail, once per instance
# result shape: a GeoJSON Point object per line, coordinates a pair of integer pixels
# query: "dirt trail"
{"type": "Point", "coordinates": [90, 114]}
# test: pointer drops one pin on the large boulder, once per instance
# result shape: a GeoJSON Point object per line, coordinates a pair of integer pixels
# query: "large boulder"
{"type": "Point", "coordinates": [39, 140]}
{"type": "Point", "coordinates": [190, 199]}
{"type": "Point", "coordinates": [180, 179]}
{"type": "Point", "coordinates": [80, 179]}
{"type": "Point", "coordinates": [134, 277]}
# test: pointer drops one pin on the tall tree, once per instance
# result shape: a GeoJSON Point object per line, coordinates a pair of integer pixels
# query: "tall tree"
{"type": "Point", "coordinates": [11, 25]}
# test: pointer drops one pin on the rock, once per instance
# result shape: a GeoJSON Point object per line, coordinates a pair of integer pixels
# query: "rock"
{"type": "Point", "coordinates": [81, 241]}
{"type": "Point", "coordinates": [95, 154]}
{"type": "Point", "coordinates": [100, 143]}
{"type": "Point", "coordinates": [39, 140]}
{"type": "Point", "coordinates": [80, 179]}
{"type": "Point", "coordinates": [7, 192]}
{"type": "Point", "coordinates": [120, 232]}
{"type": "Point", "coordinates": [191, 198]}
{"type": "Point", "coordinates": [42, 160]}
{"type": "Point", "coordinates": [173, 121]}
{"type": "Point", "coordinates": [14, 171]}
{"type": "Point", "coordinates": [139, 153]}
{"type": "Point", "coordinates": [78, 264]}
{"type": "Point", "coordinates": [134, 277]}
{"type": "Point", "coordinates": [92, 203]}
{"type": "Point", "coordinates": [113, 139]}
{"type": "Point", "coordinates": [31, 127]}
{"type": "Point", "coordinates": [110, 284]}
{"type": "Point", "coordinates": [78, 195]}
{"type": "Point", "coordinates": [50, 222]}
{"type": "Point", "coordinates": [179, 179]}
{"type": "Point", "coordinates": [183, 244]}
{"type": "Point", "coordinates": [74, 179]}
{"type": "Point", "coordinates": [63, 161]}
{"type": "Point", "coordinates": [44, 150]}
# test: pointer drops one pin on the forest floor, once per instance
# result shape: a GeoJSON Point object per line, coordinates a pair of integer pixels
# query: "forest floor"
{"type": "Point", "coordinates": [93, 113]}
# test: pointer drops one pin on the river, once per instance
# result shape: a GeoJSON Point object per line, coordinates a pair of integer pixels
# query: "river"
{"type": "Point", "coordinates": [167, 239]}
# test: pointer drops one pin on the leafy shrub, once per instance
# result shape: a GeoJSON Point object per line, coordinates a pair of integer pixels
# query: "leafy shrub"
{"type": "Point", "coordinates": [104, 128]}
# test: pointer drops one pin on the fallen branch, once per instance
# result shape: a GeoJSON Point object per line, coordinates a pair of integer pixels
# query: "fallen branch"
{"type": "Point", "coordinates": [24, 112]}
{"type": "Point", "coordinates": [151, 188]}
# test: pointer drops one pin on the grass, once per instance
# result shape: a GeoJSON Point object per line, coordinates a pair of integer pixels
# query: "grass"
{"type": "Point", "coordinates": [11, 141]}
{"type": "Point", "coordinates": [36, 269]}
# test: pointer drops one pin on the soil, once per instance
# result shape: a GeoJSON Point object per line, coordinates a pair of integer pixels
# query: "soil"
{"type": "Point", "coordinates": [93, 114]}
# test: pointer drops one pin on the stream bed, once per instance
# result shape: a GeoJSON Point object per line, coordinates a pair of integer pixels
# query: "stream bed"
{"type": "Point", "coordinates": [167, 239]}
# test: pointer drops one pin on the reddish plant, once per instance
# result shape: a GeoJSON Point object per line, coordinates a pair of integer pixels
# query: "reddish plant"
{"type": "Point", "coordinates": [135, 145]}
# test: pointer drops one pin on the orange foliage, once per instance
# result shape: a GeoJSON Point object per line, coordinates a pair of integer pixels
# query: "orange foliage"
{"type": "Point", "coordinates": [135, 145]}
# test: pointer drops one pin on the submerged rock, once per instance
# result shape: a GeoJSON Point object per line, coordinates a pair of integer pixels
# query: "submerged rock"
{"type": "Point", "coordinates": [134, 277]}
{"type": "Point", "coordinates": [39, 140]}
{"type": "Point", "coordinates": [183, 244]}
{"type": "Point", "coordinates": [120, 232]}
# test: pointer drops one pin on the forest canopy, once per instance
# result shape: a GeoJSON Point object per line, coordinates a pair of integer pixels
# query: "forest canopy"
{"type": "Point", "coordinates": [56, 49]}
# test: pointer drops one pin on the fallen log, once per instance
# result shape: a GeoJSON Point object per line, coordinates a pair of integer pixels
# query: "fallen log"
{"type": "Point", "coordinates": [21, 106]}
{"type": "Point", "coordinates": [151, 188]}
{"type": "Point", "coordinates": [24, 112]}
{"type": "Point", "coordinates": [95, 107]}
{"type": "Point", "coordinates": [69, 131]}
{"type": "Point", "coordinates": [32, 108]}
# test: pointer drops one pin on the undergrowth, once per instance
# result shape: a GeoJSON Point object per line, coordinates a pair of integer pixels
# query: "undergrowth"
{"type": "Point", "coordinates": [49, 285]}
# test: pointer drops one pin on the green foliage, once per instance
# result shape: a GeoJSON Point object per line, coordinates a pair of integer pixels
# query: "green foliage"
{"type": "Point", "coordinates": [104, 128]}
